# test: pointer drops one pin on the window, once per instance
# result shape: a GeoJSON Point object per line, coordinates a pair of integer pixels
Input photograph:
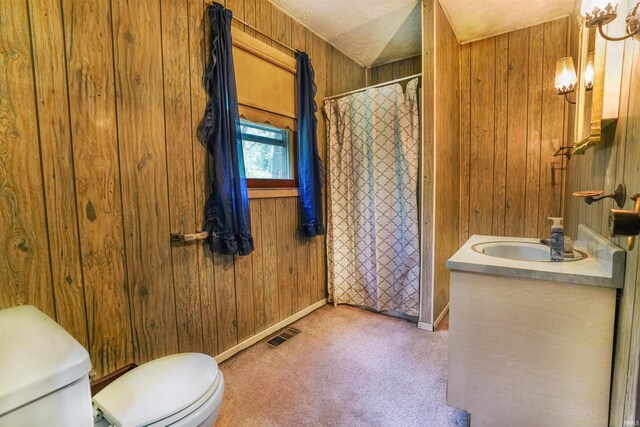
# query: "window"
{"type": "Point", "coordinates": [267, 155]}
{"type": "Point", "coordinates": [266, 84]}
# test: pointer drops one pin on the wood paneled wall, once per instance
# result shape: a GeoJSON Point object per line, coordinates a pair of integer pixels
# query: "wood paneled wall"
{"type": "Point", "coordinates": [394, 70]}
{"type": "Point", "coordinates": [440, 158]}
{"type": "Point", "coordinates": [603, 167]}
{"type": "Point", "coordinates": [99, 161]}
{"type": "Point", "coordinates": [511, 122]}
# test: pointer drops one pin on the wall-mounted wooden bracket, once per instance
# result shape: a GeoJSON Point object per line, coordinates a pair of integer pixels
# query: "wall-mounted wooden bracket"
{"type": "Point", "coordinates": [185, 238]}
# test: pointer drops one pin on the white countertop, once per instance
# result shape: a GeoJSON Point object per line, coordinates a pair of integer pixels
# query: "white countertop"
{"type": "Point", "coordinates": [604, 265]}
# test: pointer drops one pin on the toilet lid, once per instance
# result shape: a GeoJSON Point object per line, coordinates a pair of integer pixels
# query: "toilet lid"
{"type": "Point", "coordinates": [158, 389]}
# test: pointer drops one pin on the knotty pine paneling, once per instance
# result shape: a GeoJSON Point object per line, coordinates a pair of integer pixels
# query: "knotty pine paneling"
{"type": "Point", "coordinates": [603, 167]}
{"type": "Point", "coordinates": [100, 160]}
{"type": "Point", "coordinates": [89, 75]}
{"type": "Point", "coordinates": [511, 122]}
{"type": "Point", "coordinates": [25, 261]}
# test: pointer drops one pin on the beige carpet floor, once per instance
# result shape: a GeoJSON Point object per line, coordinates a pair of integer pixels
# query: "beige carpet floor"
{"type": "Point", "coordinates": [348, 367]}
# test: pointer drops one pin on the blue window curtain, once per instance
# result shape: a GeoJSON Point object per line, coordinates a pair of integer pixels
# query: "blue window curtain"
{"type": "Point", "coordinates": [310, 169]}
{"type": "Point", "coordinates": [227, 218]}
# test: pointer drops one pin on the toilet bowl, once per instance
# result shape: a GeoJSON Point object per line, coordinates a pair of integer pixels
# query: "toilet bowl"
{"type": "Point", "coordinates": [45, 381]}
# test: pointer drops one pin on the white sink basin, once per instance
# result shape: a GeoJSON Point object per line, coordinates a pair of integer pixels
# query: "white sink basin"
{"type": "Point", "coordinates": [521, 251]}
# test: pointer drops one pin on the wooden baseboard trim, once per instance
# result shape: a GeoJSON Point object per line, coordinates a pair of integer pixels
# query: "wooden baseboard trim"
{"type": "Point", "coordinates": [441, 316]}
{"type": "Point", "coordinates": [262, 335]}
{"type": "Point", "coordinates": [425, 326]}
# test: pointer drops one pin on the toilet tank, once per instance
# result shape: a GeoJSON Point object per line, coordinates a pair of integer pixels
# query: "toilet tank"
{"type": "Point", "coordinates": [43, 372]}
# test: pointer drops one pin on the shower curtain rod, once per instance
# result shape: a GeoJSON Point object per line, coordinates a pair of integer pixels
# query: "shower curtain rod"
{"type": "Point", "coordinates": [372, 86]}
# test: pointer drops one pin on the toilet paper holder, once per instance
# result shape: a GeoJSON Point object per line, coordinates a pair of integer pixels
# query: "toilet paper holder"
{"type": "Point", "coordinates": [626, 223]}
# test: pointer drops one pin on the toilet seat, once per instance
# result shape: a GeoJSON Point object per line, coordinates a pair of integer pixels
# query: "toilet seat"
{"type": "Point", "coordinates": [162, 392]}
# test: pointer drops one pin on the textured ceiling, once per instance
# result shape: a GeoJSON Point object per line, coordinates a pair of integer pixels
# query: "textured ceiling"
{"type": "Point", "coordinates": [477, 19]}
{"type": "Point", "coordinates": [375, 32]}
{"type": "Point", "coordinates": [370, 31]}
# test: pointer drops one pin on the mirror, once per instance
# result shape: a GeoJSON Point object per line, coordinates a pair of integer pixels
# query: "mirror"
{"type": "Point", "coordinates": [588, 127]}
{"type": "Point", "coordinates": [599, 71]}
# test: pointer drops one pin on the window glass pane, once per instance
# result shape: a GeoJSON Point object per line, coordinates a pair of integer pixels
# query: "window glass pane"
{"type": "Point", "coordinates": [266, 151]}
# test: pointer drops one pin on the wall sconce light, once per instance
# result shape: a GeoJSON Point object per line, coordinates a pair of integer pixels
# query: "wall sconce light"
{"type": "Point", "coordinates": [598, 13]}
{"type": "Point", "coordinates": [566, 79]}
{"type": "Point", "coordinates": [589, 71]}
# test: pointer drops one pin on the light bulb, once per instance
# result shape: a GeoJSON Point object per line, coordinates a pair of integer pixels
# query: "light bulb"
{"type": "Point", "coordinates": [565, 76]}
{"type": "Point", "coordinates": [589, 71]}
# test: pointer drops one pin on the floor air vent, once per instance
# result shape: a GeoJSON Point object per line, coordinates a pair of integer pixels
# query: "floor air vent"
{"type": "Point", "coordinates": [283, 336]}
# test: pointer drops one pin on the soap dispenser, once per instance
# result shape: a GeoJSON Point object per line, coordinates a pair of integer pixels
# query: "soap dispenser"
{"type": "Point", "coordinates": [557, 239]}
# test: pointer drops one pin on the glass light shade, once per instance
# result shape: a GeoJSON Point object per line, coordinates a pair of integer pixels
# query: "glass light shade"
{"type": "Point", "coordinates": [589, 71]}
{"type": "Point", "coordinates": [598, 12]}
{"type": "Point", "coordinates": [565, 76]}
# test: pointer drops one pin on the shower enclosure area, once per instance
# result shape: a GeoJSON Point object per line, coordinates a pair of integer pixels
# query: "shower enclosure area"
{"type": "Point", "coordinates": [384, 249]}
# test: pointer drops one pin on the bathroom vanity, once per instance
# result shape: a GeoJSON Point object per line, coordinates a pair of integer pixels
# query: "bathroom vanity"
{"type": "Point", "coordinates": [530, 340]}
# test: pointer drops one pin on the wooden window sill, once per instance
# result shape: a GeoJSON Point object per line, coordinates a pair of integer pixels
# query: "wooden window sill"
{"type": "Point", "coordinates": [270, 193]}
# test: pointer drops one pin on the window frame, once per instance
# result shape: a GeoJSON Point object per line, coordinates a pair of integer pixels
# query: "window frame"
{"type": "Point", "coordinates": [261, 117]}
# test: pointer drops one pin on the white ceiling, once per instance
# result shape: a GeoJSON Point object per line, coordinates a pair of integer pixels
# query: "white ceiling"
{"type": "Point", "coordinates": [375, 32]}
{"type": "Point", "coordinates": [369, 31]}
{"type": "Point", "coordinates": [478, 19]}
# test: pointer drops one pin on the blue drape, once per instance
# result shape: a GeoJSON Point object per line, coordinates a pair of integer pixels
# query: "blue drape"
{"type": "Point", "coordinates": [227, 210]}
{"type": "Point", "coordinates": [310, 170]}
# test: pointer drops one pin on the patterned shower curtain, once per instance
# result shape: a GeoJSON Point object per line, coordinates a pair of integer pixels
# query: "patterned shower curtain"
{"type": "Point", "coordinates": [372, 224]}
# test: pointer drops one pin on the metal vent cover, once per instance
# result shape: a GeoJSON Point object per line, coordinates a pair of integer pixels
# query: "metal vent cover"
{"type": "Point", "coordinates": [283, 337]}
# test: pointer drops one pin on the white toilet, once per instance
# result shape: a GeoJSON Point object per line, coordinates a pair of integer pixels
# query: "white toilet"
{"type": "Point", "coordinates": [44, 382]}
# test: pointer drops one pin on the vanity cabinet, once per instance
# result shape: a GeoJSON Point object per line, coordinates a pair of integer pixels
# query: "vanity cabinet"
{"type": "Point", "coordinates": [530, 352]}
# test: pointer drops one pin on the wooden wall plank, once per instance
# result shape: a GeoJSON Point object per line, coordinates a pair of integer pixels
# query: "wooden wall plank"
{"type": "Point", "coordinates": [205, 265]}
{"type": "Point", "coordinates": [257, 260]}
{"type": "Point", "coordinates": [91, 83]}
{"type": "Point", "coordinates": [270, 261]}
{"type": "Point", "coordinates": [143, 160]}
{"type": "Point", "coordinates": [263, 20]}
{"type": "Point", "coordinates": [177, 87]}
{"type": "Point", "coordinates": [447, 154]}
{"type": "Point", "coordinates": [286, 259]}
{"type": "Point", "coordinates": [318, 49]}
{"type": "Point", "coordinates": [627, 302]}
{"type": "Point", "coordinates": [303, 261]}
{"type": "Point", "coordinates": [243, 267]}
{"type": "Point", "coordinates": [237, 8]}
{"type": "Point", "coordinates": [630, 325]}
{"type": "Point", "coordinates": [428, 159]}
{"type": "Point", "coordinates": [24, 258]}
{"type": "Point", "coordinates": [57, 165]}
{"type": "Point", "coordinates": [298, 37]}
{"type": "Point", "coordinates": [552, 126]}
{"type": "Point", "coordinates": [501, 126]}
{"type": "Point", "coordinates": [516, 132]}
{"type": "Point", "coordinates": [225, 301]}
{"type": "Point", "coordinates": [394, 70]}
{"type": "Point", "coordinates": [250, 16]}
{"type": "Point", "coordinates": [281, 29]}
{"type": "Point", "coordinates": [465, 139]}
{"type": "Point", "coordinates": [482, 136]}
{"type": "Point", "coordinates": [534, 131]}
